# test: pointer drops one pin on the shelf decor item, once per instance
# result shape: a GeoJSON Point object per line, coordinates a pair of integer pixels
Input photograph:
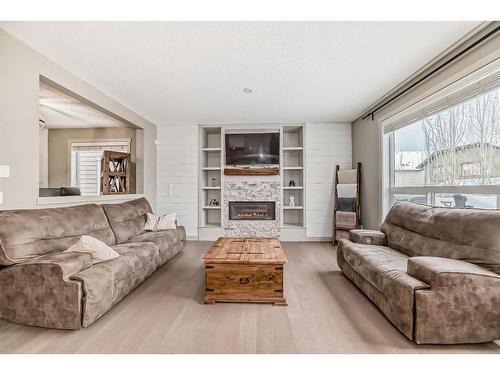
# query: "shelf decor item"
{"type": "Point", "coordinates": [346, 210]}
{"type": "Point", "coordinates": [292, 201]}
{"type": "Point", "coordinates": [115, 172]}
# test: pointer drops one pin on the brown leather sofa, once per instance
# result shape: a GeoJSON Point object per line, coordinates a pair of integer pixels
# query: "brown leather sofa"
{"type": "Point", "coordinates": [42, 286]}
{"type": "Point", "coordinates": [434, 272]}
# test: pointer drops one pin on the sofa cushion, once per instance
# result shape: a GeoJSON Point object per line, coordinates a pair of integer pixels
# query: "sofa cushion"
{"type": "Point", "coordinates": [26, 234]}
{"type": "Point", "coordinates": [397, 301]}
{"type": "Point", "coordinates": [463, 234]}
{"type": "Point", "coordinates": [127, 219]}
{"type": "Point", "coordinates": [375, 263]}
{"type": "Point", "coordinates": [444, 272]}
{"type": "Point", "coordinates": [106, 283]}
{"type": "Point", "coordinates": [169, 241]}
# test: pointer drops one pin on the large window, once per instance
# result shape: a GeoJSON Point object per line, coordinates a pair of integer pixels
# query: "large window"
{"type": "Point", "coordinates": [450, 157]}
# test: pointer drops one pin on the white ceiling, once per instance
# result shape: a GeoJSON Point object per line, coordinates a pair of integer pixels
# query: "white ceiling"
{"type": "Point", "coordinates": [194, 72]}
{"type": "Point", "coordinates": [61, 111]}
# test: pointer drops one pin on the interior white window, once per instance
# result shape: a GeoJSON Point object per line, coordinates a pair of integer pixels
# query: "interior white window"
{"type": "Point", "coordinates": [86, 164]}
{"type": "Point", "coordinates": [449, 157]}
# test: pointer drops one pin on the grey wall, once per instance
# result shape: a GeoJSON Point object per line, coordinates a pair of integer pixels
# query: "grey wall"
{"type": "Point", "coordinates": [365, 133]}
{"type": "Point", "coordinates": [20, 70]}
{"type": "Point", "coordinates": [58, 151]}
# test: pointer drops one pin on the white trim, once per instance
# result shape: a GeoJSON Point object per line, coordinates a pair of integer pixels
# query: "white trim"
{"type": "Point", "coordinates": [469, 189]}
{"type": "Point", "coordinates": [100, 142]}
{"type": "Point", "coordinates": [243, 130]}
{"type": "Point", "coordinates": [384, 176]}
{"type": "Point", "coordinates": [78, 199]}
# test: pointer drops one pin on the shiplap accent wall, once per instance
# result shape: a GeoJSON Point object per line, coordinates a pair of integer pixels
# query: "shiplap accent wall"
{"type": "Point", "coordinates": [177, 171]}
{"type": "Point", "coordinates": [326, 146]}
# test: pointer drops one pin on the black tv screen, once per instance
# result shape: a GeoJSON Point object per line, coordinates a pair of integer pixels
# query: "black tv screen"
{"type": "Point", "coordinates": [252, 149]}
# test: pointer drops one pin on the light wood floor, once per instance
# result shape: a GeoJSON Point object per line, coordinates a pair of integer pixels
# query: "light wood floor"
{"type": "Point", "coordinates": [326, 314]}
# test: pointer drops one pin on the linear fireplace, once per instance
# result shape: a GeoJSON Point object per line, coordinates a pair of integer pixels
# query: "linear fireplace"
{"type": "Point", "coordinates": [243, 210]}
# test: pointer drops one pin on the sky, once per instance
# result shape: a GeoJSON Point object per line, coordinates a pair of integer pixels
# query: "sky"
{"type": "Point", "coordinates": [409, 138]}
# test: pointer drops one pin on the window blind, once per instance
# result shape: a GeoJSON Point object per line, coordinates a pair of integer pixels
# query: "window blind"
{"type": "Point", "coordinates": [476, 83]}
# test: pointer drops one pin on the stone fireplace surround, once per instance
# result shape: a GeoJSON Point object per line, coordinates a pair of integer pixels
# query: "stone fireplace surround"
{"type": "Point", "coordinates": [251, 192]}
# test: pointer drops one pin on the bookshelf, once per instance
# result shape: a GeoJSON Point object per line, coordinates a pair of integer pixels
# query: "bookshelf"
{"type": "Point", "coordinates": [210, 176]}
{"type": "Point", "coordinates": [115, 172]}
{"type": "Point", "coordinates": [293, 170]}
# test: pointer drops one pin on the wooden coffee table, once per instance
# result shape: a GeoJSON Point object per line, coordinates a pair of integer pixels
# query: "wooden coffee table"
{"type": "Point", "coordinates": [245, 270]}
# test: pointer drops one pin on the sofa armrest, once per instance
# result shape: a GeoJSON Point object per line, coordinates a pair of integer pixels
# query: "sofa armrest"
{"type": "Point", "coordinates": [368, 237]}
{"type": "Point", "coordinates": [462, 305]}
{"type": "Point", "coordinates": [41, 293]}
{"type": "Point", "coordinates": [445, 272]}
{"type": "Point", "coordinates": [69, 263]}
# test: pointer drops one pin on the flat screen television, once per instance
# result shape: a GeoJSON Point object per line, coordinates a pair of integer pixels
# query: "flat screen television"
{"type": "Point", "coordinates": [252, 149]}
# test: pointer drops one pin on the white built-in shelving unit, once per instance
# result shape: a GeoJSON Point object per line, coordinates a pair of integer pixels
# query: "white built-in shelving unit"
{"type": "Point", "coordinates": [210, 176]}
{"type": "Point", "coordinates": [292, 166]}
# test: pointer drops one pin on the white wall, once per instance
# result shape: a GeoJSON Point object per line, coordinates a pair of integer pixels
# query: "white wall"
{"type": "Point", "coordinates": [20, 71]}
{"type": "Point", "coordinates": [177, 171]}
{"type": "Point", "coordinates": [326, 146]}
{"type": "Point", "coordinates": [43, 144]}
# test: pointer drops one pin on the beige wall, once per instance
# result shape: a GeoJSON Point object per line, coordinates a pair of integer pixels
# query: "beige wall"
{"type": "Point", "coordinates": [365, 133]}
{"type": "Point", "coordinates": [58, 151]}
{"type": "Point", "coordinates": [20, 70]}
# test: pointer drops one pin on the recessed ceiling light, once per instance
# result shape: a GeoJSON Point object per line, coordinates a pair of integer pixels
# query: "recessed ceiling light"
{"type": "Point", "coordinates": [246, 90]}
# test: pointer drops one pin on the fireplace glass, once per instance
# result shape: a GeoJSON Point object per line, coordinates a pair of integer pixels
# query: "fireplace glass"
{"type": "Point", "coordinates": [252, 210]}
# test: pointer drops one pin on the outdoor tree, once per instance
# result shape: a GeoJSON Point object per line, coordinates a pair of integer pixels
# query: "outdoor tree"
{"type": "Point", "coordinates": [443, 133]}
{"type": "Point", "coordinates": [484, 123]}
{"type": "Point", "coordinates": [468, 133]}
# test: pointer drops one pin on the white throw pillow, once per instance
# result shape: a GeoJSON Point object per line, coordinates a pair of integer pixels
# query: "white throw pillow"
{"type": "Point", "coordinates": [99, 251]}
{"type": "Point", "coordinates": [151, 221]}
{"type": "Point", "coordinates": [166, 222]}
{"type": "Point", "coordinates": [155, 223]}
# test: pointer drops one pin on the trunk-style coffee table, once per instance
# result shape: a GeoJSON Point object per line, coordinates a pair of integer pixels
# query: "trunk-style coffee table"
{"type": "Point", "coordinates": [245, 270]}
